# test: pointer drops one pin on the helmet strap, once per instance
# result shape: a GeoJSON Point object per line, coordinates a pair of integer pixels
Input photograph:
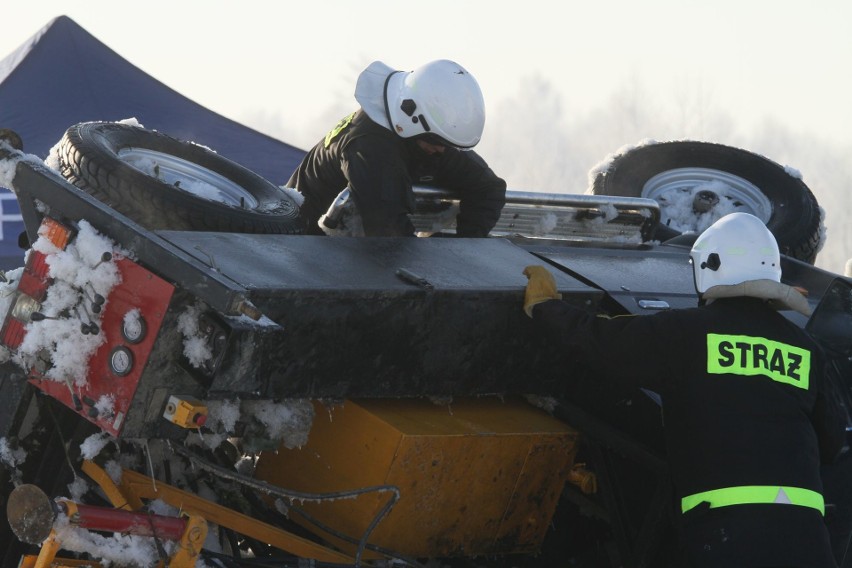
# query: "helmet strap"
{"type": "Point", "coordinates": [385, 97]}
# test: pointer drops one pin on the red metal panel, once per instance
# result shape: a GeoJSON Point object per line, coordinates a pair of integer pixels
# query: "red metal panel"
{"type": "Point", "coordinates": [139, 289]}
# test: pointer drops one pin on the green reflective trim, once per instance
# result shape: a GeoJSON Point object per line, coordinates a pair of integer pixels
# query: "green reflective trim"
{"type": "Point", "coordinates": [750, 356]}
{"type": "Point", "coordinates": [755, 494]}
{"type": "Point", "coordinates": [338, 128]}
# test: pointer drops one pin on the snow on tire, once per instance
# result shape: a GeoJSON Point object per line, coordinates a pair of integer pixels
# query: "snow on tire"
{"type": "Point", "coordinates": [165, 183]}
{"type": "Point", "coordinates": [696, 183]}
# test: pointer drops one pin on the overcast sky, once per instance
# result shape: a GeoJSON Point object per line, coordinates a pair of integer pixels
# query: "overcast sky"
{"type": "Point", "coordinates": [292, 61]}
{"type": "Point", "coordinates": [565, 82]}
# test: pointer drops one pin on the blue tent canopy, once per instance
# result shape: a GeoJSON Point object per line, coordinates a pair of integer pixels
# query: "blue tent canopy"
{"type": "Point", "coordinates": [63, 75]}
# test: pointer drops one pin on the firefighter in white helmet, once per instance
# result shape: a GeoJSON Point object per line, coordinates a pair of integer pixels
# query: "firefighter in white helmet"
{"type": "Point", "coordinates": [748, 417]}
{"type": "Point", "coordinates": [413, 128]}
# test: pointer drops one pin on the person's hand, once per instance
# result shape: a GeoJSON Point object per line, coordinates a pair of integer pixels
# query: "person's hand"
{"type": "Point", "coordinates": [540, 288]}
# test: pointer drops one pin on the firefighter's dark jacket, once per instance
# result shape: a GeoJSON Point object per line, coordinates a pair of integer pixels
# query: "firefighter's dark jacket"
{"type": "Point", "coordinates": [380, 167]}
{"type": "Point", "coordinates": [739, 406]}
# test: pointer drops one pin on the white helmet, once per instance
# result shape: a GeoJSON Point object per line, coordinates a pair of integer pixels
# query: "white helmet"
{"type": "Point", "coordinates": [737, 248]}
{"type": "Point", "coordinates": [440, 101]}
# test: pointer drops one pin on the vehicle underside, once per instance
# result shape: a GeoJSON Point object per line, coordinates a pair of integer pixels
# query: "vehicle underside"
{"type": "Point", "coordinates": [184, 394]}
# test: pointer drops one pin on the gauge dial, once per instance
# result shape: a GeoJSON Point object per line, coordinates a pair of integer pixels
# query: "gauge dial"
{"type": "Point", "coordinates": [134, 328]}
{"type": "Point", "coordinates": [121, 361]}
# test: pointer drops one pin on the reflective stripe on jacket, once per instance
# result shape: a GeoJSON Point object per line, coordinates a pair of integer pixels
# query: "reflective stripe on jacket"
{"type": "Point", "coordinates": [753, 495]}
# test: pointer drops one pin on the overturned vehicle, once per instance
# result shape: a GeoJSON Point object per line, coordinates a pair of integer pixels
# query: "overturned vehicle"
{"type": "Point", "coordinates": [187, 379]}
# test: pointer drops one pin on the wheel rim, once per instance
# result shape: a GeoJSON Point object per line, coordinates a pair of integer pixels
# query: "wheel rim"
{"type": "Point", "coordinates": [678, 190]}
{"type": "Point", "coordinates": [188, 177]}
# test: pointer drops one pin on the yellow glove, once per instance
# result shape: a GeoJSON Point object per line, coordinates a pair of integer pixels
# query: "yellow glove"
{"type": "Point", "coordinates": [540, 288]}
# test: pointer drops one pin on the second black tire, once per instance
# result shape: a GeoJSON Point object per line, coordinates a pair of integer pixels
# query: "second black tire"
{"type": "Point", "coordinates": [795, 217]}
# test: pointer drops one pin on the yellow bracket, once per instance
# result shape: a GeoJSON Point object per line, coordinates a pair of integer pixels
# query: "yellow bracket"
{"type": "Point", "coordinates": [135, 487]}
{"type": "Point", "coordinates": [49, 548]}
{"type": "Point", "coordinates": [190, 543]}
{"type": "Point", "coordinates": [29, 561]}
{"type": "Point", "coordinates": [119, 499]}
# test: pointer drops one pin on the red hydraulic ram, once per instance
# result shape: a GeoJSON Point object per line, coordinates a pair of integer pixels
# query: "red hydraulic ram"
{"type": "Point", "coordinates": [125, 522]}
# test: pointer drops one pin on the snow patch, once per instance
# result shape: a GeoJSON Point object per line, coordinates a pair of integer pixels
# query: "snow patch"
{"type": "Point", "coordinates": [294, 195]}
{"type": "Point", "coordinates": [546, 224]}
{"type": "Point", "coordinates": [195, 346]}
{"type": "Point", "coordinates": [222, 415]}
{"type": "Point", "coordinates": [92, 446]}
{"type": "Point", "coordinates": [57, 346]}
{"type": "Point", "coordinates": [132, 121]}
{"type": "Point", "coordinates": [105, 405]}
{"type": "Point", "coordinates": [12, 457]}
{"type": "Point", "coordinates": [8, 166]}
{"type": "Point", "coordinates": [122, 550]}
{"type": "Point", "coordinates": [77, 489]}
{"type": "Point", "coordinates": [114, 470]}
{"type": "Point", "coordinates": [287, 422]}
{"type": "Point", "coordinates": [823, 231]}
{"type": "Point", "coordinates": [793, 172]}
{"type": "Point", "coordinates": [602, 167]}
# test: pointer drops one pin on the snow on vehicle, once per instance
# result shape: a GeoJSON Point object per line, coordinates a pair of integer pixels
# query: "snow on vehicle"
{"type": "Point", "coordinates": [213, 387]}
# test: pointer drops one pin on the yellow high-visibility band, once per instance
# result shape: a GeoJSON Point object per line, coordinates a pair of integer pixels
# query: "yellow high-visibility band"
{"type": "Point", "coordinates": [755, 494]}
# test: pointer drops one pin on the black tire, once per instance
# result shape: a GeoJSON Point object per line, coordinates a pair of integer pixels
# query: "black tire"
{"type": "Point", "coordinates": [99, 158]}
{"type": "Point", "coordinates": [792, 213]}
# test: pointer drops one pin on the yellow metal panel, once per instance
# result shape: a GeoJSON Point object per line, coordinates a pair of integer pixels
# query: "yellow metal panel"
{"type": "Point", "coordinates": [348, 448]}
{"type": "Point", "coordinates": [477, 476]}
{"type": "Point", "coordinates": [528, 514]}
{"type": "Point", "coordinates": [340, 437]}
{"type": "Point", "coordinates": [454, 490]}
{"type": "Point", "coordinates": [463, 416]}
